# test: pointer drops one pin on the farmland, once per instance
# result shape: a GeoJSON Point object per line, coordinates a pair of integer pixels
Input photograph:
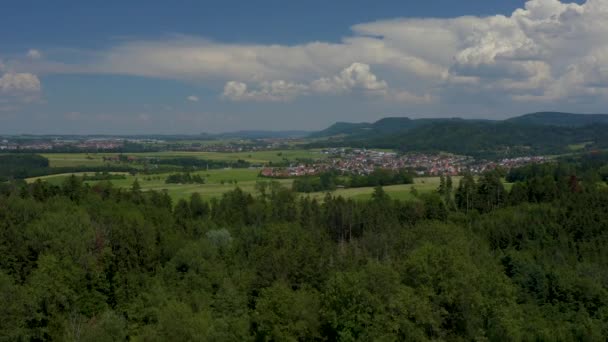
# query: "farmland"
{"type": "Point", "coordinates": [257, 157]}
{"type": "Point", "coordinates": [219, 182]}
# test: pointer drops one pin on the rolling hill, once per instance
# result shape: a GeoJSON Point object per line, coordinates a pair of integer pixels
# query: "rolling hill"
{"type": "Point", "coordinates": [383, 126]}
{"type": "Point", "coordinates": [560, 119]}
{"type": "Point", "coordinates": [538, 133]}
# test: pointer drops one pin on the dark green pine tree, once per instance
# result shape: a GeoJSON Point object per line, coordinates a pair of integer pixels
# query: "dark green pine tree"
{"type": "Point", "coordinates": [466, 193]}
{"type": "Point", "coordinates": [442, 186]}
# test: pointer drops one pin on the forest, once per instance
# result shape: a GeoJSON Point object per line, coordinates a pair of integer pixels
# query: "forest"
{"type": "Point", "coordinates": [330, 180]}
{"type": "Point", "coordinates": [25, 165]}
{"type": "Point", "coordinates": [471, 261]}
{"type": "Point", "coordinates": [184, 178]}
{"type": "Point", "coordinates": [533, 134]}
{"type": "Point", "coordinates": [194, 163]}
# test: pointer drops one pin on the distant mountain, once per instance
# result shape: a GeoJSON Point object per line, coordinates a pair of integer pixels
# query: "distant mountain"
{"type": "Point", "coordinates": [382, 126]}
{"type": "Point", "coordinates": [538, 133]}
{"type": "Point", "coordinates": [263, 134]}
{"type": "Point", "coordinates": [560, 119]}
{"type": "Point", "coordinates": [343, 128]}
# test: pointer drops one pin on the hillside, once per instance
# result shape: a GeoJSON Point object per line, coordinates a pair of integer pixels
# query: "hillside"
{"type": "Point", "coordinates": [343, 128]}
{"type": "Point", "coordinates": [560, 119]}
{"type": "Point", "coordinates": [254, 134]}
{"type": "Point", "coordinates": [529, 134]}
{"type": "Point", "coordinates": [383, 126]}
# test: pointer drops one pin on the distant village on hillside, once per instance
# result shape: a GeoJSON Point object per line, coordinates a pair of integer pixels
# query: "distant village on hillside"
{"type": "Point", "coordinates": [363, 161]}
{"type": "Point", "coordinates": [110, 144]}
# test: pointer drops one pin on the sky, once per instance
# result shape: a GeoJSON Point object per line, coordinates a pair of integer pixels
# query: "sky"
{"type": "Point", "coordinates": [186, 67]}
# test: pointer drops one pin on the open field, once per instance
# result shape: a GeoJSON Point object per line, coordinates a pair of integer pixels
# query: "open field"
{"type": "Point", "coordinates": [213, 187]}
{"type": "Point", "coordinates": [579, 147]}
{"type": "Point", "coordinates": [402, 191]}
{"type": "Point", "coordinates": [219, 182]}
{"type": "Point", "coordinates": [74, 159]}
{"type": "Point", "coordinates": [258, 157]}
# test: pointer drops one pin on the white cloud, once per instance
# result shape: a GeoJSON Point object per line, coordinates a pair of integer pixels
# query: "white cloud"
{"type": "Point", "coordinates": [34, 54]}
{"type": "Point", "coordinates": [234, 90]}
{"type": "Point", "coordinates": [17, 89]}
{"type": "Point", "coordinates": [192, 98]}
{"type": "Point", "coordinates": [548, 51]}
{"type": "Point", "coordinates": [19, 83]}
{"type": "Point", "coordinates": [357, 76]}
{"type": "Point", "coordinates": [274, 91]}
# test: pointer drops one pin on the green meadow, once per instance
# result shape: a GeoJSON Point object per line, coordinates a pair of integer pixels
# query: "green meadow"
{"type": "Point", "coordinates": [402, 191]}
{"type": "Point", "coordinates": [257, 157]}
{"type": "Point", "coordinates": [218, 182]}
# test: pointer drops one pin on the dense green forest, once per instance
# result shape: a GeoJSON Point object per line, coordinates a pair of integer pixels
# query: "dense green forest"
{"type": "Point", "coordinates": [532, 134]}
{"type": "Point", "coordinates": [26, 165]}
{"type": "Point", "coordinates": [469, 262]}
{"type": "Point", "coordinates": [330, 180]}
{"type": "Point", "coordinates": [195, 163]}
{"type": "Point", "coordinates": [184, 178]}
{"type": "Point", "coordinates": [402, 124]}
{"type": "Point", "coordinates": [21, 166]}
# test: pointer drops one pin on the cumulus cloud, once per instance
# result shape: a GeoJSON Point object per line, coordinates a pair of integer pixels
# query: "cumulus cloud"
{"type": "Point", "coordinates": [34, 54]}
{"type": "Point", "coordinates": [192, 98]}
{"type": "Point", "coordinates": [12, 83]}
{"type": "Point", "coordinates": [548, 50]}
{"type": "Point", "coordinates": [274, 91]}
{"type": "Point", "coordinates": [357, 77]}
{"type": "Point", "coordinates": [17, 89]}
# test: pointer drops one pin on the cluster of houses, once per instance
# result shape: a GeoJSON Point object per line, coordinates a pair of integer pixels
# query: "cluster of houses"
{"type": "Point", "coordinates": [224, 148]}
{"type": "Point", "coordinates": [231, 147]}
{"type": "Point", "coordinates": [14, 146]}
{"type": "Point", "coordinates": [58, 144]}
{"type": "Point", "coordinates": [507, 163]}
{"type": "Point", "coordinates": [100, 144]}
{"type": "Point", "coordinates": [298, 170]}
{"type": "Point", "coordinates": [362, 162]}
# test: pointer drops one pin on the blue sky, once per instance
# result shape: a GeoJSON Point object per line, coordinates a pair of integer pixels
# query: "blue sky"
{"type": "Point", "coordinates": [210, 66]}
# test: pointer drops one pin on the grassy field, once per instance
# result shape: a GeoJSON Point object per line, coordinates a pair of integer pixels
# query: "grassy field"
{"type": "Point", "coordinates": [74, 159]}
{"type": "Point", "coordinates": [579, 147]}
{"type": "Point", "coordinates": [258, 157]}
{"type": "Point", "coordinates": [217, 182]}
{"type": "Point", "coordinates": [402, 192]}
{"type": "Point", "coordinates": [220, 181]}
{"type": "Point", "coordinates": [246, 180]}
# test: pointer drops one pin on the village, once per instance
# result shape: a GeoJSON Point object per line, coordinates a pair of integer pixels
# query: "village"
{"type": "Point", "coordinates": [61, 144]}
{"type": "Point", "coordinates": [89, 144]}
{"type": "Point", "coordinates": [363, 162]}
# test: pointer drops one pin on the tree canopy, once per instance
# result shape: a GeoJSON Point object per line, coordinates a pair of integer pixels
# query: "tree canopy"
{"type": "Point", "coordinates": [473, 261]}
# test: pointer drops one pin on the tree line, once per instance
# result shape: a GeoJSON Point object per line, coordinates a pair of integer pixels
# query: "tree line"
{"type": "Point", "coordinates": [330, 180]}
{"type": "Point", "coordinates": [471, 261]}
{"type": "Point", "coordinates": [184, 178]}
